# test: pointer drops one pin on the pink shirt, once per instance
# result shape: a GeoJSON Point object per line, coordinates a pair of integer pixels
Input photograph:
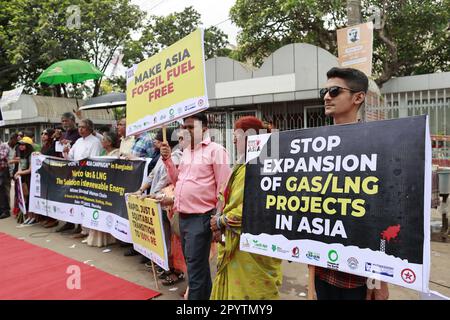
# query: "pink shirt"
{"type": "Point", "coordinates": [202, 174]}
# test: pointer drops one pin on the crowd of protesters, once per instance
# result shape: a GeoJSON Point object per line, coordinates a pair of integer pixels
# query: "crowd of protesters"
{"type": "Point", "coordinates": [200, 193]}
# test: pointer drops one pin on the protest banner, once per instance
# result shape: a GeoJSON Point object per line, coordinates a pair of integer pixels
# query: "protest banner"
{"type": "Point", "coordinates": [7, 98]}
{"type": "Point", "coordinates": [88, 192]}
{"type": "Point", "coordinates": [355, 47]}
{"type": "Point", "coordinates": [354, 198]}
{"type": "Point", "coordinates": [147, 232]}
{"type": "Point", "coordinates": [20, 195]}
{"type": "Point", "coordinates": [167, 86]}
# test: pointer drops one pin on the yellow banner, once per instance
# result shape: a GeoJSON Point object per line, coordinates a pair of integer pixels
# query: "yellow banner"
{"type": "Point", "coordinates": [147, 230]}
{"type": "Point", "coordinates": [167, 86]}
{"type": "Point", "coordinates": [355, 47]}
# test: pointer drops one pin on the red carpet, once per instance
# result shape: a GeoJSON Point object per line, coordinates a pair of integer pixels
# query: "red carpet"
{"type": "Point", "coordinates": [29, 272]}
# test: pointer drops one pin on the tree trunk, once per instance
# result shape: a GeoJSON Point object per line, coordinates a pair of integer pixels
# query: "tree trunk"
{"type": "Point", "coordinates": [390, 62]}
{"type": "Point", "coordinates": [353, 12]}
{"type": "Point", "coordinates": [97, 87]}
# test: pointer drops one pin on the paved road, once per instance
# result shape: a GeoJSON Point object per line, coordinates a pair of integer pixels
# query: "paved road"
{"type": "Point", "coordinates": [294, 281]}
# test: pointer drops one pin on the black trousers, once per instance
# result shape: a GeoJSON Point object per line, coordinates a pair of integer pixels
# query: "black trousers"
{"type": "Point", "coordinates": [167, 236]}
{"type": "Point", "coordinates": [326, 291]}
{"type": "Point", "coordinates": [4, 190]}
{"type": "Point", "coordinates": [196, 238]}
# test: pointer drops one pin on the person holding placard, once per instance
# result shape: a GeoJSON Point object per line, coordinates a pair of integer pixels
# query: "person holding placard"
{"type": "Point", "coordinates": [201, 176]}
{"type": "Point", "coordinates": [343, 95]}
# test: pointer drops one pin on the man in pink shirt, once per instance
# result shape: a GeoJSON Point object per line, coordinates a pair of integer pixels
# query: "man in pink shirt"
{"type": "Point", "coordinates": [202, 174]}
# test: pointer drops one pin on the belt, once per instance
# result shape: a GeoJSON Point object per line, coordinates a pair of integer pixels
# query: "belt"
{"type": "Point", "coordinates": [187, 215]}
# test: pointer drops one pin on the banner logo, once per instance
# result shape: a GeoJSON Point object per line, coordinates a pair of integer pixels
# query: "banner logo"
{"type": "Point", "coordinates": [408, 276]}
{"type": "Point", "coordinates": [295, 252]}
{"type": "Point", "coordinates": [333, 255]}
{"type": "Point", "coordinates": [313, 256]}
{"type": "Point", "coordinates": [353, 263]}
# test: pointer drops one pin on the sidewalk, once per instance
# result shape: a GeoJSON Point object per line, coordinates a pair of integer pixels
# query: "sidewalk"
{"type": "Point", "coordinates": [294, 281]}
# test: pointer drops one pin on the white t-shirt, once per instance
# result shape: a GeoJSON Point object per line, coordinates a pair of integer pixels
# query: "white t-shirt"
{"type": "Point", "coordinates": [85, 148]}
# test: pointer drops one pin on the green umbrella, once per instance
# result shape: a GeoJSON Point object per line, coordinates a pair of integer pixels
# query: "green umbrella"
{"type": "Point", "coordinates": [69, 71]}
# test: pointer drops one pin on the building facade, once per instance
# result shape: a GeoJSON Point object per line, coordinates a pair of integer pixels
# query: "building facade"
{"type": "Point", "coordinates": [284, 91]}
{"type": "Point", "coordinates": [36, 113]}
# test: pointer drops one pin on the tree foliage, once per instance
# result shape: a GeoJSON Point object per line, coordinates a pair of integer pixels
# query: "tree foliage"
{"type": "Point", "coordinates": [36, 33]}
{"type": "Point", "coordinates": [160, 32]}
{"type": "Point", "coordinates": [413, 38]}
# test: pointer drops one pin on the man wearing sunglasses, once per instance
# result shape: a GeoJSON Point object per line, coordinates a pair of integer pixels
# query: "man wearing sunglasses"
{"type": "Point", "coordinates": [343, 95]}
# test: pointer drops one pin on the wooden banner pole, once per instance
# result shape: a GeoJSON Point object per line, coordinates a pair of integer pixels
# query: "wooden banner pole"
{"type": "Point", "coordinates": [311, 284]}
{"type": "Point", "coordinates": [164, 129]}
{"type": "Point", "coordinates": [154, 275]}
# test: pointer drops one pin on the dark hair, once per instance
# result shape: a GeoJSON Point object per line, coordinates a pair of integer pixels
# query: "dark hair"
{"type": "Point", "coordinates": [112, 137]}
{"type": "Point", "coordinates": [68, 115]}
{"type": "Point", "coordinates": [355, 79]}
{"type": "Point", "coordinates": [169, 134]}
{"type": "Point", "coordinates": [199, 116]}
{"type": "Point", "coordinates": [14, 136]}
{"type": "Point", "coordinates": [103, 129]}
{"type": "Point", "coordinates": [27, 152]}
{"type": "Point", "coordinates": [50, 132]}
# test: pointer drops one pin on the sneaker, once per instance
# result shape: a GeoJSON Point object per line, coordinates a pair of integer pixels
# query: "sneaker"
{"type": "Point", "coordinates": [32, 221]}
{"type": "Point", "coordinates": [26, 220]}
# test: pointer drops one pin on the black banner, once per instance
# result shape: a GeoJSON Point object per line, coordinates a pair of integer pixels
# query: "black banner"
{"type": "Point", "coordinates": [96, 184]}
{"type": "Point", "coordinates": [357, 185]}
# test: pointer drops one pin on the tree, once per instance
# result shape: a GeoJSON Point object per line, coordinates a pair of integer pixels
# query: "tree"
{"type": "Point", "coordinates": [413, 38]}
{"type": "Point", "coordinates": [161, 32]}
{"type": "Point", "coordinates": [37, 34]}
{"type": "Point", "coordinates": [109, 26]}
{"type": "Point", "coordinates": [270, 24]}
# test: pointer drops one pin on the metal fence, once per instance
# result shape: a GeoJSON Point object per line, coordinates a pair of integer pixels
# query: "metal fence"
{"type": "Point", "coordinates": [434, 103]}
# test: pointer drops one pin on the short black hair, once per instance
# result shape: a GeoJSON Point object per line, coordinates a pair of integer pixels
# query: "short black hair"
{"type": "Point", "coordinates": [199, 116]}
{"type": "Point", "coordinates": [103, 129]}
{"type": "Point", "coordinates": [355, 79]}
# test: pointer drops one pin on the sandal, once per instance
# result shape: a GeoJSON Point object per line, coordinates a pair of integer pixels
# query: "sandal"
{"type": "Point", "coordinates": [164, 275]}
{"type": "Point", "coordinates": [169, 280]}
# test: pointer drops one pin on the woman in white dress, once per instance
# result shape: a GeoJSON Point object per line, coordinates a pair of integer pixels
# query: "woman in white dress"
{"type": "Point", "coordinates": [110, 142]}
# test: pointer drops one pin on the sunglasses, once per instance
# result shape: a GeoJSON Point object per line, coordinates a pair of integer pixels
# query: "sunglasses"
{"type": "Point", "coordinates": [333, 91]}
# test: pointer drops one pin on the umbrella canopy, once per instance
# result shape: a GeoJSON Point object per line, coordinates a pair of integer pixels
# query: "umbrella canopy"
{"type": "Point", "coordinates": [110, 100]}
{"type": "Point", "coordinates": [69, 71]}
